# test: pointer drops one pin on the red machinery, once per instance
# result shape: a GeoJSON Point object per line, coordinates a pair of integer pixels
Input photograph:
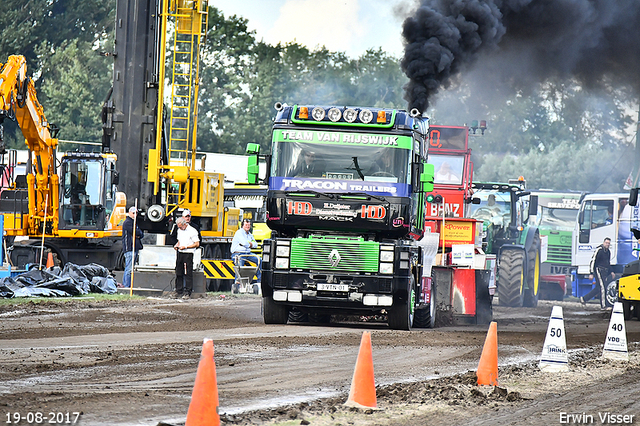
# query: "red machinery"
{"type": "Point", "coordinates": [463, 275]}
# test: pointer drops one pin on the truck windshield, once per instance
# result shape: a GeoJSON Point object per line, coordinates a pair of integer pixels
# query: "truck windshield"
{"type": "Point", "coordinates": [494, 207]}
{"type": "Point", "coordinates": [341, 162]}
{"type": "Point", "coordinates": [556, 219]}
{"type": "Point", "coordinates": [448, 168]}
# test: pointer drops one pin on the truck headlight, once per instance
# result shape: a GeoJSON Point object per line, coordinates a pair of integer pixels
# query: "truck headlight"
{"type": "Point", "coordinates": [282, 262]}
{"type": "Point", "coordinates": [386, 256]}
{"type": "Point", "coordinates": [282, 251]}
{"type": "Point", "coordinates": [386, 268]}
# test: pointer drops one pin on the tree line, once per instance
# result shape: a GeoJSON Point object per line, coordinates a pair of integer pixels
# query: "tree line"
{"type": "Point", "coordinates": [557, 135]}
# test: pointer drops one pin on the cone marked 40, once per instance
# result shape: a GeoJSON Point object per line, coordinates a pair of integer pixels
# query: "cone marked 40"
{"type": "Point", "coordinates": [363, 387]}
{"type": "Point", "coordinates": [488, 366]}
{"type": "Point", "coordinates": [615, 347]}
{"type": "Point", "coordinates": [554, 353]}
{"type": "Point", "coordinates": [203, 408]}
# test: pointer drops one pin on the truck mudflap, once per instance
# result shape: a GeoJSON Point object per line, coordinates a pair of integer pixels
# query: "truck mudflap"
{"type": "Point", "coordinates": [462, 296]}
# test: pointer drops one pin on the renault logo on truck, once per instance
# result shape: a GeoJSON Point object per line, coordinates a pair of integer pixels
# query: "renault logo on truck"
{"type": "Point", "coordinates": [334, 258]}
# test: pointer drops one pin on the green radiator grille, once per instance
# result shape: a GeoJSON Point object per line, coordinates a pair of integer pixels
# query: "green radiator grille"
{"type": "Point", "coordinates": [559, 254]}
{"type": "Point", "coordinates": [334, 254]}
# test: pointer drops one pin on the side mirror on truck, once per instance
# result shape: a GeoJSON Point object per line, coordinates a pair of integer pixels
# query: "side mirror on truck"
{"type": "Point", "coordinates": [633, 197]}
{"type": "Point", "coordinates": [426, 178]}
{"type": "Point", "coordinates": [253, 168]}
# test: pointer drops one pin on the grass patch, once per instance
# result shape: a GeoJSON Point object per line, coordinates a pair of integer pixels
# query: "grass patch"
{"type": "Point", "coordinates": [91, 297]}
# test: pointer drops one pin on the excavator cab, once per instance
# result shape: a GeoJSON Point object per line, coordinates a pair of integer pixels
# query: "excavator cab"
{"type": "Point", "coordinates": [87, 191]}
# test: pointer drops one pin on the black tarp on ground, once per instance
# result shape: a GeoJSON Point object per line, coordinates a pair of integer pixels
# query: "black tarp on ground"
{"type": "Point", "coordinates": [73, 280]}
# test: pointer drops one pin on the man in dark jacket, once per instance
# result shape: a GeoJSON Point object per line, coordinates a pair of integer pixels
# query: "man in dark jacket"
{"type": "Point", "coordinates": [130, 250]}
{"type": "Point", "coordinates": [601, 269]}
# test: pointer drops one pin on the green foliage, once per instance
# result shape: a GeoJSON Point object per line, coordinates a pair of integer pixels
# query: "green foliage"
{"type": "Point", "coordinates": [558, 135]}
{"type": "Point", "coordinates": [42, 31]}
{"type": "Point", "coordinates": [74, 84]}
{"type": "Point", "coordinates": [566, 166]}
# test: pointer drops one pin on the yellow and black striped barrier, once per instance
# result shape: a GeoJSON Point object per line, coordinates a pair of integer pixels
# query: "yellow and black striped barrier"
{"type": "Point", "coordinates": [219, 269]}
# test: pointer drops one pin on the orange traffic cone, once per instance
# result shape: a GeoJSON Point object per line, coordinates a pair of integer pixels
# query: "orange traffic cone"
{"type": "Point", "coordinates": [488, 367]}
{"type": "Point", "coordinates": [49, 260]}
{"type": "Point", "coordinates": [363, 387]}
{"type": "Point", "coordinates": [203, 409]}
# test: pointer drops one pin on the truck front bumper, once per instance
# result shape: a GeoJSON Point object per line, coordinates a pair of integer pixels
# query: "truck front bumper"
{"type": "Point", "coordinates": [332, 290]}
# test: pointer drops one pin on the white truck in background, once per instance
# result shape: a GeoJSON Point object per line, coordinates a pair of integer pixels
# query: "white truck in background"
{"type": "Point", "coordinates": [603, 216]}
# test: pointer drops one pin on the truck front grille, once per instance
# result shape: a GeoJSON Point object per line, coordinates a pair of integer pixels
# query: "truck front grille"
{"type": "Point", "coordinates": [559, 254]}
{"type": "Point", "coordinates": [334, 254]}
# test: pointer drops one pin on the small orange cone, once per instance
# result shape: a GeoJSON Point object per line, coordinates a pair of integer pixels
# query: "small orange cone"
{"type": "Point", "coordinates": [49, 260]}
{"type": "Point", "coordinates": [203, 409]}
{"type": "Point", "coordinates": [488, 367]}
{"type": "Point", "coordinates": [363, 387]}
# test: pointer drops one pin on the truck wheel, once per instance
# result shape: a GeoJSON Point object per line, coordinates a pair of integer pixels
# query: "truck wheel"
{"type": "Point", "coordinates": [319, 318]}
{"type": "Point", "coordinates": [611, 293]}
{"type": "Point", "coordinates": [484, 308]}
{"type": "Point", "coordinates": [272, 313]}
{"type": "Point", "coordinates": [533, 274]}
{"type": "Point", "coordinates": [423, 316]}
{"type": "Point", "coordinates": [626, 310]}
{"type": "Point", "coordinates": [400, 316]}
{"type": "Point", "coordinates": [295, 316]}
{"type": "Point", "coordinates": [511, 278]}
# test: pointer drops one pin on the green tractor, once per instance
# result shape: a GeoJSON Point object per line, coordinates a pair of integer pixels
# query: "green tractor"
{"type": "Point", "coordinates": [505, 209]}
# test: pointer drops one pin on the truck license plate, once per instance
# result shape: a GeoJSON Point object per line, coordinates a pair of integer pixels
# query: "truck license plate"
{"type": "Point", "coordinates": [333, 287]}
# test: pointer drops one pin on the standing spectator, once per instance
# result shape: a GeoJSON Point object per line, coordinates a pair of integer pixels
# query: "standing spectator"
{"type": "Point", "coordinates": [187, 244]}
{"type": "Point", "coordinates": [242, 244]}
{"type": "Point", "coordinates": [186, 213]}
{"type": "Point", "coordinates": [131, 250]}
{"type": "Point", "coordinates": [601, 269]}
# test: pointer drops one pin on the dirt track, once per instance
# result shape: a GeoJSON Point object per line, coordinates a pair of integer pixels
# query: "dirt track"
{"type": "Point", "coordinates": [134, 363]}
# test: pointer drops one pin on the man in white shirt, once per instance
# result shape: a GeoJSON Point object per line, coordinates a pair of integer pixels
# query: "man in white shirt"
{"type": "Point", "coordinates": [445, 174]}
{"type": "Point", "coordinates": [241, 245]}
{"type": "Point", "coordinates": [187, 244]}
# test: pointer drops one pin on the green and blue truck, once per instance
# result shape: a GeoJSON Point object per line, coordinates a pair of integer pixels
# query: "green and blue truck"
{"type": "Point", "coordinates": [346, 206]}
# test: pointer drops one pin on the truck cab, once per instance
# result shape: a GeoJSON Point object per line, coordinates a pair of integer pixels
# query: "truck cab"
{"type": "Point", "coordinates": [346, 204]}
{"type": "Point", "coordinates": [602, 216]}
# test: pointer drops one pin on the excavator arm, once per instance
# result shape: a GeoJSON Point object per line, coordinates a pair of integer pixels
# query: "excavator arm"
{"type": "Point", "coordinates": [18, 101]}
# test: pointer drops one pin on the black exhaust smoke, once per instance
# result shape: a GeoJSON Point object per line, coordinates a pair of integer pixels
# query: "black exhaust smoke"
{"type": "Point", "coordinates": [597, 42]}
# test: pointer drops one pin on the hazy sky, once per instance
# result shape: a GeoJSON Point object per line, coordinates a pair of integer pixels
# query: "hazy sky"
{"type": "Point", "coordinates": [350, 26]}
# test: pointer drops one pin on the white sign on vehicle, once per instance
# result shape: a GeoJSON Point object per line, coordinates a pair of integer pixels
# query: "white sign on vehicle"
{"type": "Point", "coordinates": [333, 287]}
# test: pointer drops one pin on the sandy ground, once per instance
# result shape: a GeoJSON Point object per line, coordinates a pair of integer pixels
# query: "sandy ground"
{"type": "Point", "coordinates": [134, 363]}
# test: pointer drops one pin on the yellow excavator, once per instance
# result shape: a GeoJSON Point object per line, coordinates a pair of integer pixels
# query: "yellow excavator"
{"type": "Point", "coordinates": [72, 209]}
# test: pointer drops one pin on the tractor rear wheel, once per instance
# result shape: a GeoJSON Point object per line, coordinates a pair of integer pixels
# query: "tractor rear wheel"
{"type": "Point", "coordinates": [533, 274]}
{"type": "Point", "coordinates": [511, 278]}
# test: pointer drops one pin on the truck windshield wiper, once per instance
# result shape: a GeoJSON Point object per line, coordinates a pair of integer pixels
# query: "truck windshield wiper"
{"type": "Point", "coordinates": [306, 192]}
{"type": "Point", "coordinates": [356, 167]}
{"type": "Point", "coordinates": [363, 194]}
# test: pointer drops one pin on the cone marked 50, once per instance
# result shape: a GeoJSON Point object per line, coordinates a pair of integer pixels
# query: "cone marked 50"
{"type": "Point", "coordinates": [554, 353]}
